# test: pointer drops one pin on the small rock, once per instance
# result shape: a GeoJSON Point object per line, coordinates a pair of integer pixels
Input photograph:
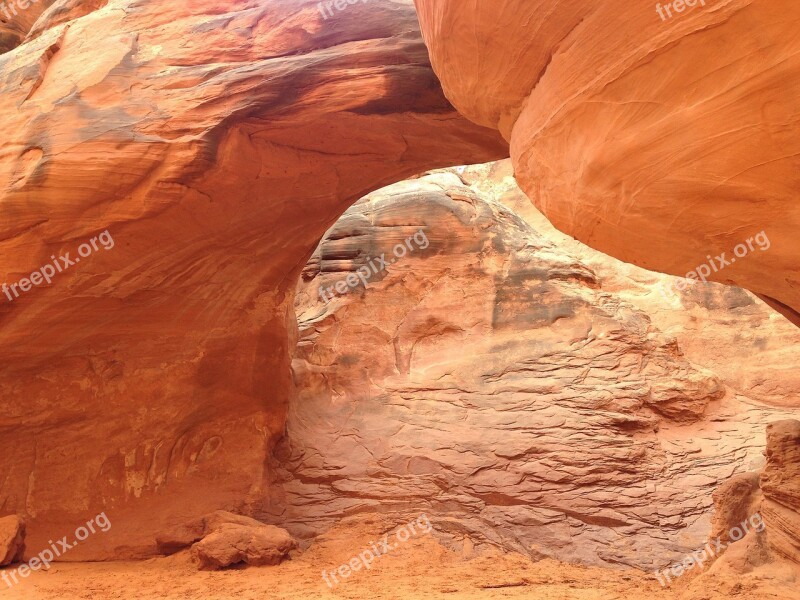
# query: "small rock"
{"type": "Point", "coordinates": [232, 543]}
{"type": "Point", "coordinates": [12, 540]}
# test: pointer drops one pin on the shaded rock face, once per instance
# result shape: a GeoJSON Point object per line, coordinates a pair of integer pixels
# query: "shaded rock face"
{"type": "Point", "coordinates": [16, 22]}
{"type": "Point", "coordinates": [780, 484]}
{"type": "Point", "coordinates": [639, 136]}
{"type": "Point", "coordinates": [489, 381]}
{"type": "Point", "coordinates": [735, 502]}
{"type": "Point", "coordinates": [216, 142]}
{"type": "Point", "coordinates": [768, 503]}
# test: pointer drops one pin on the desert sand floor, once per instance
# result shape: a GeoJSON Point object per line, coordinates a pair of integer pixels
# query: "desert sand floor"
{"type": "Point", "coordinates": [418, 569]}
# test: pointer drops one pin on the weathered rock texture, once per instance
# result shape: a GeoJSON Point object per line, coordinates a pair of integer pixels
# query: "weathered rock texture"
{"type": "Point", "coordinates": [766, 507]}
{"type": "Point", "coordinates": [216, 141]}
{"type": "Point", "coordinates": [232, 539]}
{"type": "Point", "coordinates": [489, 381]}
{"type": "Point", "coordinates": [233, 544]}
{"type": "Point", "coordinates": [660, 142]}
{"type": "Point", "coordinates": [723, 328]}
{"type": "Point", "coordinates": [735, 501]}
{"type": "Point", "coordinates": [780, 483]}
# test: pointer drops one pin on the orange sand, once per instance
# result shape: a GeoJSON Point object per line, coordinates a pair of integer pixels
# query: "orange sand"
{"type": "Point", "coordinates": [419, 569]}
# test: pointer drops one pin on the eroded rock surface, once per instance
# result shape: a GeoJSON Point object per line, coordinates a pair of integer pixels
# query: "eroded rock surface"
{"type": "Point", "coordinates": [658, 140]}
{"type": "Point", "coordinates": [780, 483]}
{"type": "Point", "coordinates": [726, 329]}
{"type": "Point", "coordinates": [223, 539]}
{"type": "Point", "coordinates": [216, 142]}
{"type": "Point", "coordinates": [756, 521]}
{"type": "Point", "coordinates": [487, 379]}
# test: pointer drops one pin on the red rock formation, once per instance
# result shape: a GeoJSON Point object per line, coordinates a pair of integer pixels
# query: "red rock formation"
{"type": "Point", "coordinates": [659, 142]}
{"type": "Point", "coordinates": [756, 523]}
{"type": "Point", "coordinates": [735, 501]}
{"type": "Point", "coordinates": [488, 379]}
{"type": "Point", "coordinates": [215, 141]}
{"type": "Point", "coordinates": [229, 539]}
{"type": "Point", "coordinates": [725, 329]}
{"type": "Point", "coordinates": [780, 483]}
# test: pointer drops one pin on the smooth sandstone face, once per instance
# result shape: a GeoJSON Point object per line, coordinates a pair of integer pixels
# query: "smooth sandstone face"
{"type": "Point", "coordinates": [664, 142]}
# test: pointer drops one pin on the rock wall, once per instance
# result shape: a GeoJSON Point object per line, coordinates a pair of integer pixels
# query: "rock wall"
{"type": "Point", "coordinates": [490, 381]}
{"type": "Point", "coordinates": [780, 484]}
{"type": "Point", "coordinates": [723, 328]}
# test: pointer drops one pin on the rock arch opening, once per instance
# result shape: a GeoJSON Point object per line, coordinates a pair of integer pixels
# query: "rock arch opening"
{"type": "Point", "coordinates": [493, 381]}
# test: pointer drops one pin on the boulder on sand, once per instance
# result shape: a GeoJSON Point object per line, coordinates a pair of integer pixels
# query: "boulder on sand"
{"type": "Point", "coordinates": [12, 540]}
{"type": "Point", "coordinates": [222, 539]}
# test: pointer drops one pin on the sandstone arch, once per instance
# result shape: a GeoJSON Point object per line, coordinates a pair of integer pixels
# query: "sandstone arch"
{"type": "Point", "coordinates": [216, 142]}
{"type": "Point", "coordinates": [659, 142]}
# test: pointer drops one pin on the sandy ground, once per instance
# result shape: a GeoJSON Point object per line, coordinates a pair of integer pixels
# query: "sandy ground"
{"type": "Point", "coordinates": [418, 569]}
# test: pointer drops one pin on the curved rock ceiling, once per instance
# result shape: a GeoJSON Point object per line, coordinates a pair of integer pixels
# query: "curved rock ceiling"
{"type": "Point", "coordinates": [664, 141]}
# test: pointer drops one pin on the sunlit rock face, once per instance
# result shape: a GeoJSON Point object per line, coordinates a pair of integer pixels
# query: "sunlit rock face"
{"type": "Point", "coordinates": [486, 378]}
{"type": "Point", "coordinates": [726, 329]}
{"type": "Point", "coordinates": [215, 142]}
{"type": "Point", "coordinates": [660, 140]}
